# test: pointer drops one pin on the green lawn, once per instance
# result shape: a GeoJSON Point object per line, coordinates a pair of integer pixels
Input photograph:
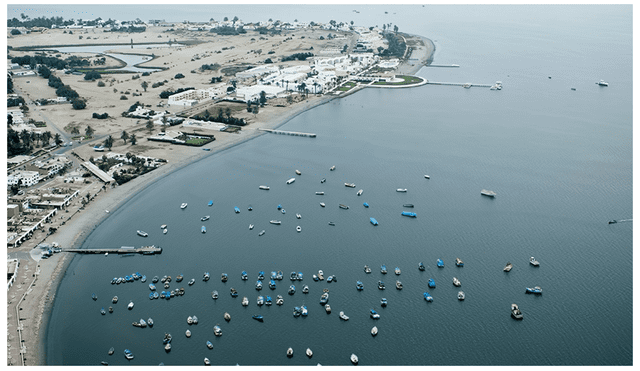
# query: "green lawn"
{"type": "Point", "coordinates": [196, 141]}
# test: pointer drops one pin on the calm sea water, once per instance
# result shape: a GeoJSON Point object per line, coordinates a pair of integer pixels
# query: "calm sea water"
{"type": "Point", "coordinates": [560, 162]}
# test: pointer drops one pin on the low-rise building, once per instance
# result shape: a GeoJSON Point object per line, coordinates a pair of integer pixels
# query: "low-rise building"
{"type": "Point", "coordinates": [23, 178]}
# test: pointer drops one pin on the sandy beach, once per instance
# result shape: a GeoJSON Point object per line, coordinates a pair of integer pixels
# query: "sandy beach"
{"type": "Point", "coordinates": [35, 309]}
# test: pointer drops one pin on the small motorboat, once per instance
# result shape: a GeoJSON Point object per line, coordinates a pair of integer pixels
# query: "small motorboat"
{"type": "Point", "coordinates": [327, 308]}
{"type": "Point", "coordinates": [440, 263]}
{"type": "Point", "coordinates": [272, 284]}
{"type": "Point", "coordinates": [224, 277]}
{"type": "Point", "coordinates": [104, 363]}
{"type": "Point", "coordinates": [343, 316]}
{"type": "Point", "coordinates": [143, 279]}
{"type": "Point", "coordinates": [279, 300]}
{"type": "Point", "coordinates": [367, 269]}
{"type": "Point", "coordinates": [206, 276]}
{"type": "Point", "coordinates": [111, 351]}
{"type": "Point", "coordinates": [142, 233]}
{"type": "Point", "coordinates": [320, 275]}
{"type": "Point", "coordinates": [320, 193]}
{"type": "Point", "coordinates": [515, 312]}
{"type": "Point", "coordinates": [227, 316]}
{"type": "Point", "coordinates": [258, 318]}
{"type": "Point", "coordinates": [365, 205]}
{"type": "Point", "coordinates": [487, 193]}
{"type": "Point", "coordinates": [266, 188]}
{"type": "Point", "coordinates": [167, 347]}
{"type": "Point", "coordinates": [192, 281]}
{"type": "Point", "coordinates": [130, 306]}
{"type": "Point", "coordinates": [459, 263]}
{"type": "Point", "coordinates": [150, 322]}
{"type": "Point", "coordinates": [322, 204]}
{"type": "Point", "coordinates": [324, 298]}
{"type": "Point", "coordinates": [291, 180]}
{"type": "Point", "coordinates": [602, 83]}
{"type": "Point", "coordinates": [205, 218]}
{"type": "Point", "coordinates": [210, 203]}
{"type": "Point", "coordinates": [427, 177]}
{"type": "Point", "coordinates": [292, 290]}
{"type": "Point", "coordinates": [298, 172]}
{"type": "Point", "coordinates": [128, 354]}
{"type": "Point", "coordinates": [398, 285]}
{"type": "Point", "coordinates": [164, 226]}
{"type": "Point", "coordinates": [284, 211]}
{"type": "Point", "coordinates": [236, 209]}
{"type": "Point", "coordinates": [332, 168]}
{"type": "Point", "coordinates": [421, 266]}
{"type": "Point", "coordinates": [206, 361]}
{"type": "Point", "coordinates": [249, 208]}
{"type": "Point", "coordinates": [203, 229]}
{"type": "Point", "coordinates": [183, 206]}
{"type": "Point", "coordinates": [258, 285]}
{"type": "Point", "coordinates": [354, 359]}
{"type": "Point", "coordinates": [110, 309]}
{"type": "Point", "coordinates": [114, 300]}
{"type": "Point", "coordinates": [374, 331]}
{"type": "Point", "coordinates": [260, 301]}
{"type": "Point", "coordinates": [214, 294]}
{"type": "Point", "coordinates": [164, 231]}
{"type": "Point", "coordinates": [381, 285]}
{"type": "Point", "coordinates": [343, 206]}
{"type": "Point", "coordinates": [167, 338]}
{"type": "Point", "coordinates": [298, 229]}
{"type": "Point", "coordinates": [290, 352]}
{"type": "Point", "coordinates": [268, 300]}
{"type": "Point", "coordinates": [535, 290]}
{"type": "Point", "coordinates": [304, 311]}
{"type": "Point", "coordinates": [190, 320]}
{"type": "Point", "coordinates": [217, 330]}
{"type": "Point", "coordinates": [298, 216]}
{"type": "Point", "coordinates": [373, 314]}
{"type": "Point", "coordinates": [383, 302]}
{"type": "Point", "coordinates": [332, 224]}
{"type": "Point", "coordinates": [309, 353]}
{"type": "Point", "coordinates": [403, 190]}
{"type": "Point", "coordinates": [409, 214]}
{"type": "Point", "coordinates": [156, 295]}
{"type": "Point", "coordinates": [359, 192]}
{"type": "Point", "coordinates": [397, 271]}
{"type": "Point", "coordinates": [373, 221]}
{"type": "Point", "coordinates": [276, 222]}
{"type": "Point", "coordinates": [260, 275]}
{"type": "Point", "coordinates": [352, 185]}
{"type": "Point", "coordinates": [456, 282]}
{"type": "Point", "coordinates": [209, 345]}
{"type": "Point", "coordinates": [427, 297]}
{"type": "Point", "coordinates": [460, 295]}
{"type": "Point", "coordinates": [279, 206]}
{"type": "Point", "coordinates": [407, 205]}
{"type": "Point", "coordinates": [245, 301]}
{"type": "Point", "coordinates": [305, 289]}
{"type": "Point", "coordinates": [359, 286]}
{"type": "Point", "coordinates": [432, 283]}
{"type": "Point", "coordinates": [508, 267]}
{"type": "Point", "coordinates": [383, 269]}
{"type": "Point", "coordinates": [534, 262]}
{"type": "Point", "coordinates": [102, 311]}
{"type": "Point", "coordinates": [261, 232]}
{"type": "Point", "coordinates": [245, 276]}
{"type": "Point", "coordinates": [155, 279]}
{"type": "Point", "coordinates": [323, 180]}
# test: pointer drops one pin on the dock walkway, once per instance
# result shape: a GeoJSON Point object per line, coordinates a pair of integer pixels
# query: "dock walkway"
{"type": "Point", "coordinates": [283, 132]}
{"type": "Point", "coordinates": [144, 250]}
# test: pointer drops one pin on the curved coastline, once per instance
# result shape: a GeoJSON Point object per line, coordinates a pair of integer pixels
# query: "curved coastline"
{"type": "Point", "coordinates": [76, 231]}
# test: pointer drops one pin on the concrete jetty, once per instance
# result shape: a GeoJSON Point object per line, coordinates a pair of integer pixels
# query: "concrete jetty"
{"type": "Point", "coordinates": [283, 132]}
{"type": "Point", "coordinates": [443, 65]}
{"type": "Point", "coordinates": [144, 250]}
{"type": "Point", "coordinates": [467, 85]}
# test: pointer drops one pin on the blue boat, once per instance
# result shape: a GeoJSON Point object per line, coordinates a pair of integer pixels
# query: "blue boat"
{"type": "Point", "coordinates": [409, 214]}
{"type": "Point", "coordinates": [259, 285]}
{"type": "Point", "coordinates": [296, 311]}
{"type": "Point", "coordinates": [383, 269]}
{"type": "Point", "coordinates": [383, 302]}
{"type": "Point", "coordinates": [128, 354]}
{"type": "Point", "coordinates": [102, 311]}
{"type": "Point", "coordinates": [210, 203]}
{"type": "Point", "coordinates": [421, 266]}
{"type": "Point", "coordinates": [150, 296]}
{"type": "Point", "coordinates": [304, 311]}
{"type": "Point", "coordinates": [203, 229]}
{"type": "Point", "coordinates": [293, 276]}
{"type": "Point", "coordinates": [272, 285]}
{"type": "Point", "coordinates": [209, 345]}
{"type": "Point", "coordinates": [261, 275]}
{"type": "Point", "coordinates": [292, 290]}
{"type": "Point", "coordinates": [324, 298]}
{"type": "Point", "coordinates": [156, 295]}
{"type": "Point", "coordinates": [244, 275]}
{"type": "Point", "coordinates": [236, 209]}
{"type": "Point", "coordinates": [373, 314]}
{"type": "Point", "coordinates": [260, 300]}
{"type": "Point", "coordinates": [279, 207]}
{"type": "Point", "coordinates": [432, 283]}
{"type": "Point", "coordinates": [373, 221]}
{"type": "Point", "coordinates": [274, 275]}
{"type": "Point", "coordinates": [268, 301]}
{"type": "Point", "coordinates": [299, 276]}
{"type": "Point", "coordinates": [94, 296]}
{"type": "Point", "coordinates": [365, 204]}
{"type": "Point", "coordinates": [427, 297]}
{"type": "Point", "coordinates": [258, 318]}
{"type": "Point", "coordinates": [535, 290]}
{"type": "Point", "coordinates": [359, 285]}
{"type": "Point", "coordinates": [440, 263]}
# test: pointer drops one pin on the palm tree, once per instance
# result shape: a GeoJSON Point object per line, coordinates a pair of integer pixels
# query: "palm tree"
{"type": "Point", "coordinates": [124, 136]}
{"type": "Point", "coordinates": [315, 87]}
{"type": "Point", "coordinates": [74, 130]}
{"type": "Point", "coordinates": [57, 139]}
{"type": "Point", "coordinates": [149, 126]}
{"type": "Point", "coordinates": [26, 138]}
{"type": "Point", "coordinates": [46, 137]}
{"type": "Point", "coordinates": [133, 139]}
{"type": "Point", "coordinates": [89, 131]}
{"type": "Point", "coordinates": [108, 142]}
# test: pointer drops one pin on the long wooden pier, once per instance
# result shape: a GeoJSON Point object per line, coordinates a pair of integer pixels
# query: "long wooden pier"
{"type": "Point", "coordinates": [464, 85]}
{"type": "Point", "coordinates": [443, 65]}
{"type": "Point", "coordinates": [283, 132]}
{"type": "Point", "coordinates": [144, 250]}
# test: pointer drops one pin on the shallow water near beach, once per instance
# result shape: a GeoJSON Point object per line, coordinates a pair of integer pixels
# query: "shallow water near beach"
{"type": "Point", "coordinates": [560, 162]}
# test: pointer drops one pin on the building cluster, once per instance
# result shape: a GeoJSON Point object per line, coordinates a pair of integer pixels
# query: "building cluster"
{"type": "Point", "coordinates": [32, 172]}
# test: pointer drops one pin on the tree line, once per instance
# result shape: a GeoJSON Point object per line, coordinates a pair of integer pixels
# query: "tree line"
{"type": "Point", "coordinates": [298, 56]}
{"type": "Point", "coordinates": [228, 120]}
{"type": "Point", "coordinates": [23, 142]}
{"type": "Point", "coordinates": [52, 62]}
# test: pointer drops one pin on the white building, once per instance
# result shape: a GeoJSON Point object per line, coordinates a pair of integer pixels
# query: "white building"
{"type": "Point", "coordinates": [257, 71]}
{"type": "Point", "coordinates": [28, 178]}
{"type": "Point", "coordinates": [191, 97]}
{"type": "Point", "coordinates": [252, 93]}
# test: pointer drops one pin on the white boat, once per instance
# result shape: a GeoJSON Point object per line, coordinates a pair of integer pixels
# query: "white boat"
{"type": "Point", "coordinates": [245, 301]}
{"type": "Point", "coordinates": [290, 352]}
{"type": "Point", "coordinates": [298, 172]}
{"type": "Point", "coordinates": [298, 216]}
{"type": "Point", "coordinates": [206, 361]}
{"type": "Point", "coordinates": [460, 295]}
{"type": "Point", "coordinates": [401, 190]}
{"type": "Point", "coordinates": [343, 316]}
{"type": "Point", "coordinates": [352, 185]}
{"type": "Point", "coordinates": [164, 226]}
{"type": "Point", "coordinates": [276, 222]}
{"type": "Point", "coordinates": [188, 333]}
{"type": "Point", "coordinates": [184, 205]}
{"type": "Point", "coordinates": [309, 353]}
{"type": "Point", "coordinates": [130, 306]}
{"type": "Point", "coordinates": [487, 193]}
{"type": "Point", "coordinates": [164, 231]}
{"type": "Point", "coordinates": [322, 204]}
{"type": "Point", "coordinates": [602, 83]}
{"type": "Point", "coordinates": [203, 229]}
{"type": "Point", "coordinates": [298, 229]}
{"type": "Point", "coordinates": [426, 176]}
{"type": "Point", "coordinates": [534, 262]}
{"type": "Point", "coordinates": [250, 226]}
{"type": "Point", "coordinates": [319, 193]}
{"type": "Point", "coordinates": [333, 168]}
{"type": "Point", "coordinates": [142, 233]}
{"type": "Point", "coordinates": [456, 282]}
{"type": "Point", "coordinates": [343, 206]}
{"type": "Point", "coordinates": [261, 232]}
{"type": "Point", "coordinates": [374, 331]}
{"type": "Point", "coordinates": [359, 192]}
{"type": "Point", "coordinates": [204, 218]}
{"type": "Point", "coordinates": [354, 359]}
{"type": "Point", "coordinates": [264, 187]}
{"type": "Point", "coordinates": [291, 180]}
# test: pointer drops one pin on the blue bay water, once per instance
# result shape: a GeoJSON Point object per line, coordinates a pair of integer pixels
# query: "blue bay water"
{"type": "Point", "coordinates": [560, 162]}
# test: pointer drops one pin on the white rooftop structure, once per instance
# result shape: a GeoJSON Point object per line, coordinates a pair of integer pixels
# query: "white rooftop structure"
{"type": "Point", "coordinates": [253, 92]}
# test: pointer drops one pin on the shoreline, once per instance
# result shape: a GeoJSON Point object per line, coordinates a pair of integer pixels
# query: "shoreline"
{"type": "Point", "coordinates": [77, 230]}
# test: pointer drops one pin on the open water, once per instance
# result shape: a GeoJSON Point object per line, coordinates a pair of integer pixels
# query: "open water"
{"type": "Point", "coordinates": [559, 160]}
